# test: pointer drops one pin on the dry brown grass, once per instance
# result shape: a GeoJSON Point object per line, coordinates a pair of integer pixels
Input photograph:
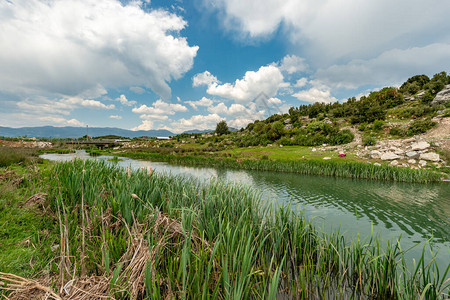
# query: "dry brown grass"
{"type": "Point", "coordinates": [135, 260]}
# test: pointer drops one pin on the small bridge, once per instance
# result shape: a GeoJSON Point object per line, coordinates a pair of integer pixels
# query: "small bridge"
{"type": "Point", "coordinates": [98, 144]}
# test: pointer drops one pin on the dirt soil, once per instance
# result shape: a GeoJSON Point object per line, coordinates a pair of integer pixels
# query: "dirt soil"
{"type": "Point", "coordinates": [440, 133]}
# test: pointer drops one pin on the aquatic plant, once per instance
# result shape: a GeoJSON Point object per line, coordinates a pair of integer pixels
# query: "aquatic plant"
{"type": "Point", "coordinates": [144, 235]}
{"type": "Point", "coordinates": [348, 169]}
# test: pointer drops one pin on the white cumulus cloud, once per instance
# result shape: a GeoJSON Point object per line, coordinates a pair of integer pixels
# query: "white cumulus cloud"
{"type": "Point", "coordinates": [66, 47]}
{"type": "Point", "coordinates": [160, 107]}
{"type": "Point", "coordinates": [268, 79]}
{"type": "Point", "coordinates": [391, 67]}
{"type": "Point", "coordinates": [146, 125]}
{"type": "Point", "coordinates": [205, 78]}
{"type": "Point", "coordinates": [293, 64]}
{"type": "Point", "coordinates": [315, 95]}
{"type": "Point", "coordinates": [124, 101]}
{"type": "Point", "coordinates": [331, 29]}
{"type": "Point", "coordinates": [200, 122]}
{"type": "Point", "coordinates": [202, 102]}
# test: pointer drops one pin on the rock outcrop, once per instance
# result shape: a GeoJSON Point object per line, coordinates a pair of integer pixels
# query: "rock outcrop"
{"type": "Point", "coordinates": [443, 96]}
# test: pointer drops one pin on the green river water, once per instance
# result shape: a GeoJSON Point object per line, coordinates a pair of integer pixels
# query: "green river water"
{"type": "Point", "coordinates": [415, 212]}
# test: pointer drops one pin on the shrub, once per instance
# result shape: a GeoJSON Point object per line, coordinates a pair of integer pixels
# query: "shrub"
{"type": "Point", "coordinates": [420, 126]}
{"type": "Point", "coordinates": [378, 125]}
{"type": "Point", "coordinates": [342, 137]}
{"type": "Point", "coordinates": [427, 98]}
{"type": "Point", "coordinates": [362, 126]}
{"type": "Point", "coordinates": [369, 140]}
{"type": "Point", "coordinates": [397, 131]}
{"type": "Point", "coordinates": [285, 141]}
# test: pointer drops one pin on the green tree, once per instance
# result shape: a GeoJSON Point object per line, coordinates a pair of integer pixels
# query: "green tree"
{"type": "Point", "coordinates": [222, 128]}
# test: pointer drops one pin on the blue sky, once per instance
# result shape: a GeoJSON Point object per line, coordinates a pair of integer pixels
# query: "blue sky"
{"type": "Point", "coordinates": [182, 65]}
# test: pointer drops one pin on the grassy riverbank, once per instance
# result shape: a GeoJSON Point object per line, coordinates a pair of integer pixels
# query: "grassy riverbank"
{"type": "Point", "coordinates": [333, 167]}
{"type": "Point", "coordinates": [143, 235]}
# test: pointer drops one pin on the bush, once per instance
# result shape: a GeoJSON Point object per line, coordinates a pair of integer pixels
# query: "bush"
{"type": "Point", "coordinates": [362, 126]}
{"type": "Point", "coordinates": [285, 141]}
{"type": "Point", "coordinates": [369, 140]}
{"type": "Point", "coordinates": [397, 131]}
{"type": "Point", "coordinates": [420, 126]}
{"type": "Point", "coordinates": [342, 137]}
{"type": "Point", "coordinates": [427, 98]}
{"type": "Point", "coordinates": [378, 125]}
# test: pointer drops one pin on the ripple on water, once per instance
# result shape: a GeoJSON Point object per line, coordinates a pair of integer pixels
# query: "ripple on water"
{"type": "Point", "coordinates": [414, 211]}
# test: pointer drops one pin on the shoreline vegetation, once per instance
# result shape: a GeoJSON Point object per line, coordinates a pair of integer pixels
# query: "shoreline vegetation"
{"type": "Point", "coordinates": [332, 167]}
{"type": "Point", "coordinates": [128, 234]}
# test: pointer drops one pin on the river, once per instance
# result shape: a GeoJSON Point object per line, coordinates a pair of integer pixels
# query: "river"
{"type": "Point", "coordinates": [416, 212]}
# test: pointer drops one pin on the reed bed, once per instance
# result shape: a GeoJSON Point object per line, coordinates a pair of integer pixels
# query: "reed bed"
{"type": "Point", "coordinates": [143, 235]}
{"type": "Point", "coordinates": [347, 169]}
{"type": "Point", "coordinates": [9, 156]}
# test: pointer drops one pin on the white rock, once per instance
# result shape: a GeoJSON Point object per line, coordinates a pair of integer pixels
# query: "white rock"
{"type": "Point", "coordinates": [411, 153]}
{"type": "Point", "coordinates": [420, 146]}
{"type": "Point", "coordinates": [394, 163]}
{"type": "Point", "coordinates": [410, 140]}
{"type": "Point", "coordinates": [411, 161]}
{"type": "Point", "coordinates": [430, 156]}
{"type": "Point", "coordinates": [327, 157]}
{"type": "Point", "coordinates": [422, 163]}
{"type": "Point", "coordinates": [375, 154]}
{"type": "Point", "coordinates": [442, 96]}
{"type": "Point", "coordinates": [377, 164]}
{"type": "Point", "coordinates": [389, 156]}
{"type": "Point", "coordinates": [399, 152]}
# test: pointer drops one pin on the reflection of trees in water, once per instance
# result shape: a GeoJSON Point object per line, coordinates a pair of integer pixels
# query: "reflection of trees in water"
{"type": "Point", "coordinates": [418, 207]}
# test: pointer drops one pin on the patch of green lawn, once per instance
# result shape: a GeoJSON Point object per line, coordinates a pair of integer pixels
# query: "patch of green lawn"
{"type": "Point", "coordinates": [26, 233]}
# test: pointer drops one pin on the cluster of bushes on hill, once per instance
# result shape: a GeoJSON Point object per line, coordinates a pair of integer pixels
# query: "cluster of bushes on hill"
{"type": "Point", "coordinates": [318, 123]}
{"type": "Point", "coordinates": [300, 133]}
{"type": "Point", "coordinates": [324, 123]}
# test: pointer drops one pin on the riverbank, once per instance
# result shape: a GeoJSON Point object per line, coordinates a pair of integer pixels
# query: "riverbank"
{"type": "Point", "coordinates": [143, 234]}
{"type": "Point", "coordinates": [337, 167]}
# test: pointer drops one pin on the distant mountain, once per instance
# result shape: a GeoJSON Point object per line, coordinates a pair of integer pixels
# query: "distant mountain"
{"type": "Point", "coordinates": [76, 132]}
{"type": "Point", "coordinates": [198, 131]}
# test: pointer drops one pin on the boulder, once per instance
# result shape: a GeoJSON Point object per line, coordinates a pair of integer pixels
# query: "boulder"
{"type": "Point", "coordinates": [430, 156]}
{"type": "Point", "coordinates": [327, 121]}
{"type": "Point", "coordinates": [412, 154]}
{"type": "Point", "coordinates": [288, 127]}
{"type": "Point", "coordinates": [411, 161]}
{"type": "Point", "coordinates": [422, 163]}
{"type": "Point", "coordinates": [394, 163]}
{"type": "Point", "coordinates": [420, 94]}
{"type": "Point", "coordinates": [377, 164]}
{"type": "Point", "coordinates": [420, 146]}
{"type": "Point", "coordinates": [389, 156]}
{"type": "Point", "coordinates": [409, 140]}
{"type": "Point", "coordinates": [327, 157]}
{"type": "Point", "coordinates": [375, 154]}
{"type": "Point", "coordinates": [287, 121]}
{"type": "Point", "coordinates": [443, 96]}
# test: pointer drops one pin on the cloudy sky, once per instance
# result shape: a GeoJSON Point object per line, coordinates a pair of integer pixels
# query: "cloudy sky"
{"type": "Point", "coordinates": [182, 65]}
